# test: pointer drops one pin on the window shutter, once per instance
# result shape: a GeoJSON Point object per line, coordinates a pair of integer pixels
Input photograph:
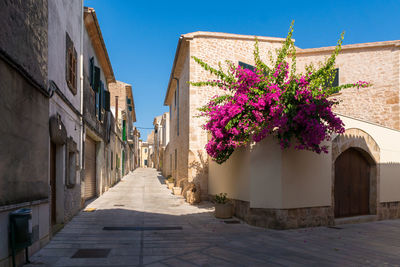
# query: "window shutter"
{"type": "Point", "coordinates": [336, 79]}
{"type": "Point", "coordinates": [74, 72]}
{"type": "Point", "coordinates": [91, 71]}
{"type": "Point", "coordinates": [247, 66]}
{"type": "Point", "coordinates": [100, 98]}
{"type": "Point", "coordinates": [107, 100]}
{"type": "Point", "coordinates": [68, 44]}
{"type": "Point", "coordinates": [96, 79]}
{"type": "Point", "coordinates": [103, 98]}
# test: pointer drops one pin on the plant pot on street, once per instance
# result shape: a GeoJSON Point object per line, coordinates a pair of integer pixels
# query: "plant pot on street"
{"type": "Point", "coordinates": [223, 211]}
{"type": "Point", "coordinates": [177, 190]}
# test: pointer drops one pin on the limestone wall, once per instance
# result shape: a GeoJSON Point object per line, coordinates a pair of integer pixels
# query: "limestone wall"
{"type": "Point", "coordinates": [268, 177]}
{"type": "Point", "coordinates": [379, 65]}
{"type": "Point", "coordinates": [180, 143]}
{"type": "Point", "coordinates": [214, 49]}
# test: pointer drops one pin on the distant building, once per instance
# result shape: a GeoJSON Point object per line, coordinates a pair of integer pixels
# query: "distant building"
{"type": "Point", "coordinates": [144, 155]}
{"type": "Point", "coordinates": [161, 139]}
{"type": "Point", "coordinates": [123, 108]}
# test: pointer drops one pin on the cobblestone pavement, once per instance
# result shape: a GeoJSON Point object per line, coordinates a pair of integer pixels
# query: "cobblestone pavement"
{"type": "Point", "coordinates": [141, 199]}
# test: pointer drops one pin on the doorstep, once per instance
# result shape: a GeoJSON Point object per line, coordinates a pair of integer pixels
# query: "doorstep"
{"type": "Point", "coordinates": [356, 219]}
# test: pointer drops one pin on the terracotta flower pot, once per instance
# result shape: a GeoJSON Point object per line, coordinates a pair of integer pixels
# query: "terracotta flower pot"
{"type": "Point", "coordinates": [177, 190]}
{"type": "Point", "coordinates": [223, 211]}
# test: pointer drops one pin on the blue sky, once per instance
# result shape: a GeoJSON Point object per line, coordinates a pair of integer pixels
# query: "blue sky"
{"type": "Point", "coordinates": [141, 36]}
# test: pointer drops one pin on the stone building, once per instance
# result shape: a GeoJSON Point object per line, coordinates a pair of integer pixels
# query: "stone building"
{"type": "Point", "coordinates": [161, 139]}
{"type": "Point", "coordinates": [123, 108]}
{"type": "Point", "coordinates": [144, 154]}
{"type": "Point", "coordinates": [65, 110]}
{"type": "Point", "coordinates": [151, 155]}
{"type": "Point", "coordinates": [101, 138]}
{"type": "Point", "coordinates": [187, 139]}
{"type": "Point", "coordinates": [165, 157]}
{"type": "Point", "coordinates": [287, 189]}
{"type": "Point", "coordinates": [24, 119]}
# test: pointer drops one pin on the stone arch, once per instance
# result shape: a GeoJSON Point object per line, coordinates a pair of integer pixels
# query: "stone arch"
{"type": "Point", "coordinates": [364, 143]}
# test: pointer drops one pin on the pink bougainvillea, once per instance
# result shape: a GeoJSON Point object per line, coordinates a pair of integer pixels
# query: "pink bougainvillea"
{"type": "Point", "coordinates": [277, 101]}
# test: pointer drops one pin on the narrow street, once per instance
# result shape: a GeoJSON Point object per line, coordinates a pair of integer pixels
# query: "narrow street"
{"type": "Point", "coordinates": [142, 202]}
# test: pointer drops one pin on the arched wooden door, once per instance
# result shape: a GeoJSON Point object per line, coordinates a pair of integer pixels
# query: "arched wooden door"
{"type": "Point", "coordinates": [352, 175]}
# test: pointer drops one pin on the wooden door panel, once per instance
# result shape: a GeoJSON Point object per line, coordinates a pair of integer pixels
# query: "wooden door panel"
{"type": "Point", "coordinates": [351, 188]}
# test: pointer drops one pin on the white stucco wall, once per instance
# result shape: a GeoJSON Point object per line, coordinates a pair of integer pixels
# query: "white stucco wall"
{"type": "Point", "coordinates": [388, 141]}
{"type": "Point", "coordinates": [268, 177]}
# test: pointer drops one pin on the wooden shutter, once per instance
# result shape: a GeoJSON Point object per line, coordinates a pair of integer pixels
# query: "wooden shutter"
{"type": "Point", "coordinates": [107, 100]}
{"type": "Point", "coordinates": [70, 64]}
{"type": "Point", "coordinates": [99, 100]}
{"type": "Point", "coordinates": [91, 71]}
{"type": "Point", "coordinates": [96, 79]}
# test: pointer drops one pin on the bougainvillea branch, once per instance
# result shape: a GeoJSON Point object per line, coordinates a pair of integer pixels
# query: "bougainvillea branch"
{"type": "Point", "coordinates": [295, 108]}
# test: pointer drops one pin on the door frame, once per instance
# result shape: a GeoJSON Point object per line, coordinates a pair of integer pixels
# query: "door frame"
{"type": "Point", "coordinates": [364, 143]}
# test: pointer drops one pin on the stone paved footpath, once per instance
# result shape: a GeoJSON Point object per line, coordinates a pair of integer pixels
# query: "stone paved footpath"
{"type": "Point", "coordinates": [142, 199]}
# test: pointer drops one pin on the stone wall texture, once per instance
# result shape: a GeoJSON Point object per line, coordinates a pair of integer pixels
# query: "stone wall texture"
{"type": "Point", "coordinates": [192, 158]}
{"type": "Point", "coordinates": [23, 35]}
{"type": "Point", "coordinates": [24, 139]}
{"type": "Point", "coordinates": [24, 110]}
{"type": "Point", "coordinates": [379, 65]}
{"type": "Point", "coordinates": [283, 218]}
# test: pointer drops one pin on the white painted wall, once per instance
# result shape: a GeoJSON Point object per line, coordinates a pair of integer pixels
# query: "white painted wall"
{"type": "Point", "coordinates": [388, 141]}
{"type": "Point", "coordinates": [268, 177]}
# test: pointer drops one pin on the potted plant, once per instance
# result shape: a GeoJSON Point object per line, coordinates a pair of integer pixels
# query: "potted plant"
{"type": "Point", "coordinates": [171, 182]}
{"type": "Point", "coordinates": [166, 180]}
{"type": "Point", "coordinates": [223, 208]}
{"type": "Point", "coordinates": [177, 190]}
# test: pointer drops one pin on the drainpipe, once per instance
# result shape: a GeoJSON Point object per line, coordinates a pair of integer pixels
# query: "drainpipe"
{"type": "Point", "coordinates": [81, 94]}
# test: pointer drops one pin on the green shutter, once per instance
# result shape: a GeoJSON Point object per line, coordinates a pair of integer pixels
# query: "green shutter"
{"type": "Point", "coordinates": [124, 130]}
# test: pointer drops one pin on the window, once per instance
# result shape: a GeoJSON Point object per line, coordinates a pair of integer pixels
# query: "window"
{"type": "Point", "coordinates": [145, 150]}
{"type": "Point", "coordinates": [100, 102]}
{"type": "Point", "coordinates": [246, 66]}
{"type": "Point", "coordinates": [91, 71]}
{"type": "Point", "coordinates": [336, 78]}
{"type": "Point", "coordinates": [71, 65]}
{"type": "Point", "coordinates": [96, 79]}
{"type": "Point", "coordinates": [176, 159]}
